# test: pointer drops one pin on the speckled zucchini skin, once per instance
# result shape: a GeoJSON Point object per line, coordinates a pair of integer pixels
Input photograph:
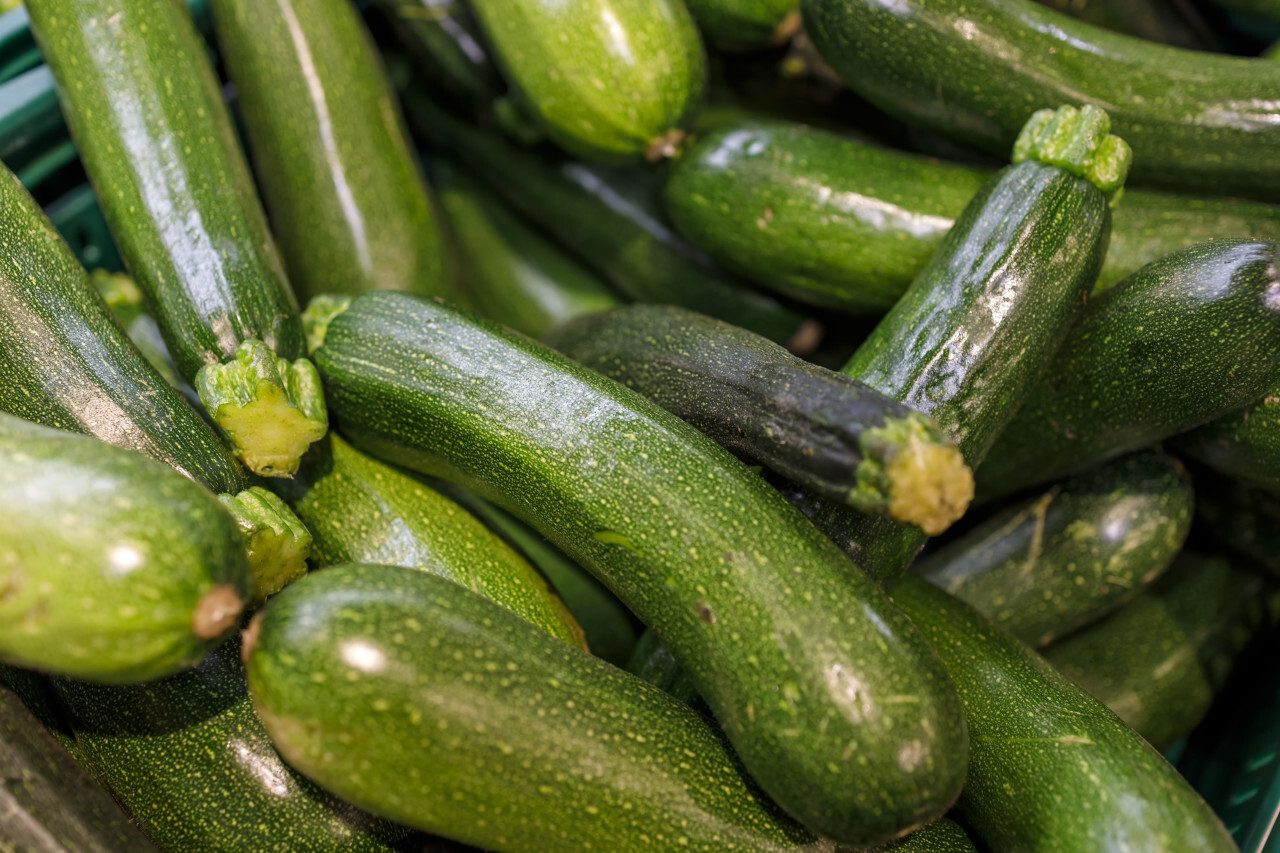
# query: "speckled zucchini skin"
{"type": "Point", "coordinates": [570, 753]}
{"type": "Point", "coordinates": [1178, 343]}
{"type": "Point", "coordinates": [746, 24]}
{"type": "Point", "coordinates": [941, 836]}
{"type": "Point", "coordinates": [1050, 768]}
{"type": "Point", "coordinates": [839, 223]}
{"type": "Point", "coordinates": [1195, 121]}
{"type": "Point", "coordinates": [340, 181]}
{"type": "Point", "coordinates": [1159, 661]}
{"type": "Point", "coordinates": [359, 509]}
{"type": "Point", "coordinates": [1070, 556]}
{"type": "Point", "coordinates": [756, 604]}
{"type": "Point", "coordinates": [150, 743]}
{"type": "Point", "coordinates": [605, 79]}
{"type": "Point", "coordinates": [107, 559]}
{"type": "Point", "coordinates": [1244, 444]}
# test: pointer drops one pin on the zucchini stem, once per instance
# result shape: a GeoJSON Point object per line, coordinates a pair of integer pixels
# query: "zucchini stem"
{"type": "Point", "coordinates": [276, 542]}
{"type": "Point", "coordinates": [320, 312]}
{"type": "Point", "coordinates": [909, 468]}
{"type": "Point", "coordinates": [1078, 141]}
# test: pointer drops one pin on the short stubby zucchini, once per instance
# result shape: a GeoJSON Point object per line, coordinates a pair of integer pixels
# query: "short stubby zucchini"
{"type": "Point", "coordinates": [798, 653]}
{"type": "Point", "coordinates": [113, 567]}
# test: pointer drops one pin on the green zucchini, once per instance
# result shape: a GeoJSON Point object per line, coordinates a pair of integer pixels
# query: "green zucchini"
{"type": "Point", "coordinates": [1053, 563]}
{"type": "Point", "coordinates": [1244, 444]}
{"type": "Point", "coordinates": [1243, 518]}
{"type": "Point", "coordinates": [338, 176]}
{"type": "Point", "coordinates": [359, 509]}
{"type": "Point", "coordinates": [190, 760]}
{"type": "Point", "coordinates": [443, 35]}
{"type": "Point", "coordinates": [941, 836]}
{"type": "Point", "coordinates": [1175, 24]}
{"type": "Point", "coordinates": [653, 662]}
{"type": "Point", "coordinates": [1050, 768]}
{"type": "Point", "coordinates": [112, 566]}
{"type": "Point", "coordinates": [746, 24]}
{"type": "Point", "coordinates": [147, 117]}
{"type": "Point", "coordinates": [1178, 343]}
{"type": "Point", "coordinates": [975, 71]}
{"type": "Point", "coordinates": [611, 219]}
{"type": "Point", "coordinates": [514, 275]}
{"type": "Point", "coordinates": [819, 429]}
{"type": "Point", "coordinates": [47, 802]}
{"type": "Point", "coordinates": [1159, 660]}
{"type": "Point", "coordinates": [612, 80]}
{"type": "Point", "coordinates": [837, 222]}
{"type": "Point", "coordinates": [978, 325]}
{"type": "Point", "coordinates": [569, 752]}
{"type": "Point", "coordinates": [125, 302]}
{"type": "Point", "coordinates": [771, 621]}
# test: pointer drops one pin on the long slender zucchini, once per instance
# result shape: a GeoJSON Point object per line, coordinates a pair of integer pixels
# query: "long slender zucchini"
{"type": "Point", "coordinates": [746, 24]}
{"type": "Point", "coordinates": [347, 201]}
{"type": "Point", "coordinates": [1159, 660]}
{"type": "Point", "coordinates": [1050, 768]}
{"type": "Point", "coordinates": [147, 116]}
{"type": "Point", "coordinates": [1178, 343]}
{"type": "Point", "coordinates": [1053, 563]}
{"type": "Point", "coordinates": [1196, 121]}
{"type": "Point", "coordinates": [789, 644]}
{"type": "Point", "coordinates": [1244, 444]}
{"type": "Point", "coordinates": [113, 567]}
{"type": "Point", "coordinates": [475, 725]}
{"type": "Point", "coordinates": [820, 429]}
{"type": "Point", "coordinates": [836, 222]}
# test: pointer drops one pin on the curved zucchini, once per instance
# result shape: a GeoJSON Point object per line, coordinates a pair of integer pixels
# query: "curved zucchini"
{"type": "Point", "coordinates": [693, 542]}
{"type": "Point", "coordinates": [1049, 565]}
{"type": "Point", "coordinates": [1244, 444]}
{"type": "Point", "coordinates": [113, 567]}
{"type": "Point", "coordinates": [347, 201]}
{"type": "Point", "coordinates": [569, 753]}
{"type": "Point", "coordinates": [1179, 342]}
{"type": "Point", "coordinates": [820, 429]}
{"type": "Point", "coordinates": [612, 80]}
{"type": "Point", "coordinates": [1050, 767]}
{"type": "Point", "coordinates": [147, 117]}
{"type": "Point", "coordinates": [746, 24]}
{"type": "Point", "coordinates": [1196, 121]}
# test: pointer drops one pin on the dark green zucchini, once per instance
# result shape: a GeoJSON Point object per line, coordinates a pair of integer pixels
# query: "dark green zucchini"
{"type": "Point", "coordinates": [113, 567]}
{"type": "Point", "coordinates": [347, 201]}
{"type": "Point", "coordinates": [126, 304]}
{"type": "Point", "coordinates": [1178, 343]}
{"type": "Point", "coordinates": [774, 625]}
{"type": "Point", "coordinates": [1244, 518]}
{"type": "Point", "coordinates": [513, 274]}
{"type": "Point", "coordinates": [746, 24]}
{"type": "Point", "coordinates": [1053, 563]}
{"type": "Point", "coordinates": [1244, 444]}
{"type": "Point", "coordinates": [1176, 24]}
{"type": "Point", "coordinates": [443, 36]}
{"type": "Point", "coordinates": [1159, 661]}
{"type": "Point", "coordinates": [1050, 768]}
{"type": "Point", "coordinates": [1196, 121]}
{"type": "Point", "coordinates": [822, 430]}
{"type": "Point", "coordinates": [569, 753]}
{"type": "Point", "coordinates": [148, 119]}
{"type": "Point", "coordinates": [837, 222]}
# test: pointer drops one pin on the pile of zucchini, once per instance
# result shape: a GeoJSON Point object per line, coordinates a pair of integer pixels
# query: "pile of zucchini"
{"type": "Point", "coordinates": [636, 425]}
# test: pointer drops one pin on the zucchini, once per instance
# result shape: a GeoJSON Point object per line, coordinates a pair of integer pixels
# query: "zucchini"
{"type": "Point", "coordinates": [746, 24]}
{"type": "Point", "coordinates": [1175, 24]}
{"type": "Point", "coordinates": [1178, 343]}
{"type": "Point", "coordinates": [443, 36]}
{"type": "Point", "coordinates": [360, 509]}
{"type": "Point", "coordinates": [1241, 517]}
{"type": "Point", "coordinates": [653, 662]}
{"type": "Point", "coordinates": [820, 429]}
{"type": "Point", "coordinates": [124, 300]}
{"type": "Point", "coordinates": [569, 754]}
{"type": "Point", "coordinates": [1159, 660]}
{"type": "Point", "coordinates": [756, 604]}
{"type": "Point", "coordinates": [190, 760]}
{"type": "Point", "coordinates": [47, 803]}
{"type": "Point", "coordinates": [840, 223]}
{"type": "Point", "coordinates": [1244, 444]}
{"type": "Point", "coordinates": [941, 836]}
{"type": "Point", "coordinates": [148, 120]}
{"type": "Point", "coordinates": [347, 202]}
{"type": "Point", "coordinates": [1050, 768]}
{"type": "Point", "coordinates": [612, 80]}
{"type": "Point", "coordinates": [514, 275]}
{"type": "Point", "coordinates": [1196, 121]}
{"type": "Point", "coordinates": [1053, 563]}
{"type": "Point", "coordinates": [112, 566]}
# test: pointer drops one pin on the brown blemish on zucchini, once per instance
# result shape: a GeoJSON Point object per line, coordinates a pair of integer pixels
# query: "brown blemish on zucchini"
{"type": "Point", "coordinates": [216, 612]}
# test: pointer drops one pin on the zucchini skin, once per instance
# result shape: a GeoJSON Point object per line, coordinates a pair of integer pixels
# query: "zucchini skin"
{"type": "Point", "coordinates": [570, 753]}
{"type": "Point", "coordinates": [693, 542]}
{"type": "Point", "coordinates": [941, 836]}
{"type": "Point", "coordinates": [1195, 121]}
{"type": "Point", "coordinates": [1180, 342]}
{"type": "Point", "coordinates": [1043, 750]}
{"type": "Point", "coordinates": [141, 572]}
{"type": "Point", "coordinates": [1159, 661]}
{"type": "Point", "coordinates": [347, 202]}
{"type": "Point", "coordinates": [443, 36]}
{"type": "Point", "coordinates": [746, 24]}
{"type": "Point", "coordinates": [1059, 561]}
{"type": "Point", "coordinates": [1244, 444]}
{"type": "Point", "coordinates": [359, 509]}
{"type": "Point", "coordinates": [596, 100]}
{"type": "Point", "coordinates": [839, 223]}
